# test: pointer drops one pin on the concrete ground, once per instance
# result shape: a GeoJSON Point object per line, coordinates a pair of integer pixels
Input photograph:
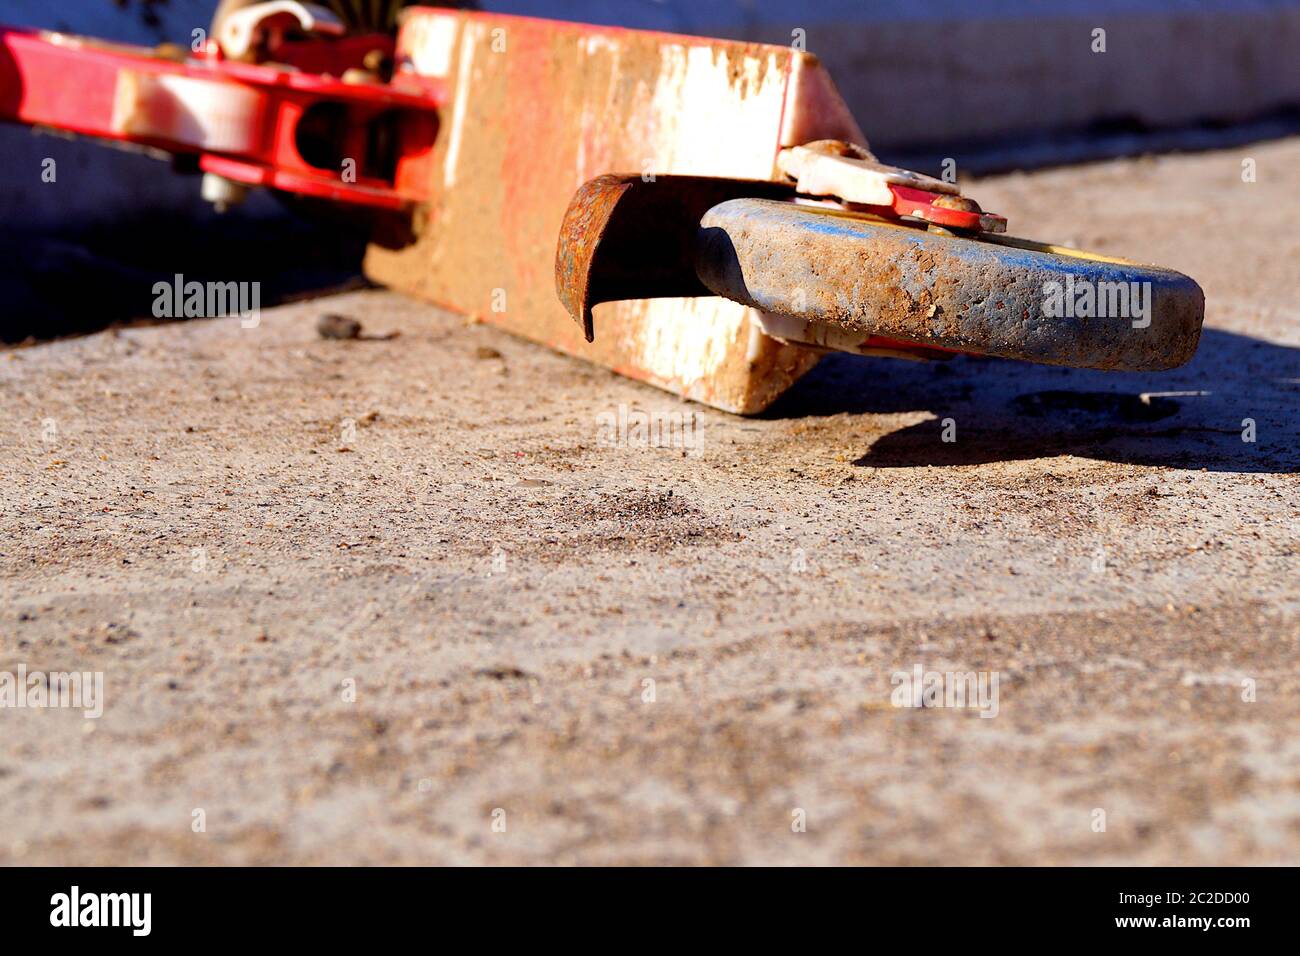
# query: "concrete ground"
{"type": "Point", "coordinates": [357, 602]}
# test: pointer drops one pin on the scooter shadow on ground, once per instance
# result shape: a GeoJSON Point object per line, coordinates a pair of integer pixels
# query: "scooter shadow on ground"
{"type": "Point", "coordinates": [1202, 416]}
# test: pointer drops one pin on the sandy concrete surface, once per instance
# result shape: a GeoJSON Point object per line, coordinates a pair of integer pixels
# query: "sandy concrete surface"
{"type": "Point", "coordinates": [239, 526]}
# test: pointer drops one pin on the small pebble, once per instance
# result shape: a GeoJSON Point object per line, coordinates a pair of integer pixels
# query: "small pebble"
{"type": "Point", "coordinates": [333, 326]}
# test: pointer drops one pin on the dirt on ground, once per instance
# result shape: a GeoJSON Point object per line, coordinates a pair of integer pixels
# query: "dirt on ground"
{"type": "Point", "coordinates": [397, 600]}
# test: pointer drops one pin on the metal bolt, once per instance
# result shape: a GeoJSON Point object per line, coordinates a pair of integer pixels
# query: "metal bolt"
{"type": "Point", "coordinates": [223, 193]}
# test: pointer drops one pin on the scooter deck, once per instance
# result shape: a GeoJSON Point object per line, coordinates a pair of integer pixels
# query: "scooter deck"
{"type": "Point", "coordinates": [539, 107]}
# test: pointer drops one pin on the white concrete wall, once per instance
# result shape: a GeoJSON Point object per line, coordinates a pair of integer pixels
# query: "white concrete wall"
{"type": "Point", "coordinates": [918, 72]}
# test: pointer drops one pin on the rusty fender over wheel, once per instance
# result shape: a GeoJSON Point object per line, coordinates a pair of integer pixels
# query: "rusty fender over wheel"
{"type": "Point", "coordinates": [992, 295]}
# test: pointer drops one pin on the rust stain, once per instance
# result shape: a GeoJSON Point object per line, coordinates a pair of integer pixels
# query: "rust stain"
{"type": "Point", "coordinates": [624, 237]}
